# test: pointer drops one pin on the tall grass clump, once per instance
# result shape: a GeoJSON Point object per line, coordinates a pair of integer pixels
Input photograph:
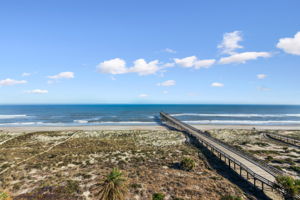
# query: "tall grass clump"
{"type": "Point", "coordinates": [114, 186]}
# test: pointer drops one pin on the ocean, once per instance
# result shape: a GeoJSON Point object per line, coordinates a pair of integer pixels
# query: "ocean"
{"type": "Point", "coordinates": [76, 115]}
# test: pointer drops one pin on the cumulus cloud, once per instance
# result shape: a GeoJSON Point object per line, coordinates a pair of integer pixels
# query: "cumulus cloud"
{"type": "Point", "coordinates": [261, 76]}
{"type": "Point", "coordinates": [9, 82]}
{"type": "Point", "coordinates": [143, 95]}
{"type": "Point", "coordinates": [186, 62]}
{"type": "Point", "coordinates": [231, 42]}
{"type": "Point", "coordinates": [204, 63]}
{"type": "Point", "coordinates": [113, 66]}
{"type": "Point", "coordinates": [290, 45]}
{"type": "Point", "coordinates": [217, 84]}
{"type": "Point", "coordinates": [118, 66]}
{"type": "Point", "coordinates": [193, 61]}
{"type": "Point", "coordinates": [37, 91]}
{"type": "Point", "coordinates": [63, 75]}
{"type": "Point", "coordinates": [243, 57]}
{"type": "Point", "coordinates": [167, 65]}
{"type": "Point", "coordinates": [167, 83]}
{"type": "Point", "coordinates": [168, 50]}
{"type": "Point", "coordinates": [143, 68]}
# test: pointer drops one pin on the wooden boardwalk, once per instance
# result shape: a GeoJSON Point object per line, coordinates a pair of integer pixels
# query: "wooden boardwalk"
{"type": "Point", "coordinates": [256, 172]}
{"type": "Point", "coordinates": [285, 139]}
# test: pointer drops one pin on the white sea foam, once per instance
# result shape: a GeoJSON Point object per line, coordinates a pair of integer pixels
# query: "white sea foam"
{"type": "Point", "coordinates": [244, 122]}
{"type": "Point", "coordinates": [12, 116]}
{"type": "Point", "coordinates": [235, 115]}
{"type": "Point", "coordinates": [31, 124]}
{"type": "Point", "coordinates": [81, 121]}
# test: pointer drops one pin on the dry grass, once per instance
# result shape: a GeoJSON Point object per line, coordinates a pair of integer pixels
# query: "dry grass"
{"type": "Point", "coordinates": [75, 169]}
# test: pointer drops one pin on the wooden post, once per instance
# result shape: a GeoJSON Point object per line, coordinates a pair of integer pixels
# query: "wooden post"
{"type": "Point", "coordinates": [234, 165]}
{"type": "Point", "coordinates": [229, 163]}
{"type": "Point", "coordinates": [254, 182]}
{"type": "Point", "coordinates": [247, 175]}
{"type": "Point", "coordinates": [240, 170]}
{"type": "Point", "coordinates": [262, 186]}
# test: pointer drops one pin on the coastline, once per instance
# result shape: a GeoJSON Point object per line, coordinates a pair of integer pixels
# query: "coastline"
{"type": "Point", "coordinates": [139, 127]}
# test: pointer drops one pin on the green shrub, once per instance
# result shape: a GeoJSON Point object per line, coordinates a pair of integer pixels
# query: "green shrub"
{"type": "Point", "coordinates": [290, 185]}
{"type": "Point", "coordinates": [158, 196]}
{"type": "Point", "coordinates": [231, 197]}
{"type": "Point", "coordinates": [187, 164]}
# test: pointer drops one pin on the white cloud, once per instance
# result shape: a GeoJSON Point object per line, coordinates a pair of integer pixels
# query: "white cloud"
{"type": "Point", "coordinates": [168, 50]}
{"type": "Point", "coordinates": [167, 65]}
{"type": "Point", "coordinates": [143, 68]}
{"type": "Point", "coordinates": [118, 66]}
{"type": "Point", "coordinates": [261, 76]}
{"type": "Point", "coordinates": [113, 66]}
{"type": "Point", "coordinates": [186, 62]}
{"type": "Point", "coordinates": [37, 91]}
{"type": "Point", "coordinates": [165, 92]}
{"type": "Point", "coordinates": [143, 95]}
{"type": "Point", "coordinates": [62, 75]}
{"type": "Point", "coordinates": [217, 84]}
{"type": "Point", "coordinates": [243, 57]}
{"type": "Point", "coordinates": [204, 63]}
{"type": "Point", "coordinates": [9, 82]}
{"type": "Point", "coordinates": [26, 74]}
{"type": "Point", "coordinates": [290, 45]}
{"type": "Point", "coordinates": [193, 61]}
{"type": "Point", "coordinates": [230, 42]}
{"type": "Point", "coordinates": [167, 83]}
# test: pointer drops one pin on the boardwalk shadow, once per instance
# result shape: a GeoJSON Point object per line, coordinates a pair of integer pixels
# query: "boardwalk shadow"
{"type": "Point", "coordinates": [222, 169]}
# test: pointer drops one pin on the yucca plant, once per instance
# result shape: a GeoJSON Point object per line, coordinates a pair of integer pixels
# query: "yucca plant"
{"type": "Point", "coordinates": [114, 186]}
{"type": "Point", "coordinates": [4, 196]}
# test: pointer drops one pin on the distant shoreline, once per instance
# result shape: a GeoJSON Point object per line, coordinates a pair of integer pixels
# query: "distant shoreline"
{"type": "Point", "coordinates": [140, 127]}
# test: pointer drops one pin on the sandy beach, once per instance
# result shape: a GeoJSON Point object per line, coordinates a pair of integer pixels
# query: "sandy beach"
{"type": "Point", "coordinates": [139, 127]}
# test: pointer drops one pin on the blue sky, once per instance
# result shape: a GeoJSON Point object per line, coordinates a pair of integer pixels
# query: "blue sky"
{"type": "Point", "coordinates": [171, 51]}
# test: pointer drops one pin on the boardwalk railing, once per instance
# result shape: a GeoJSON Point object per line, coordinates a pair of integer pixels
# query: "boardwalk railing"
{"type": "Point", "coordinates": [286, 139]}
{"type": "Point", "coordinates": [209, 141]}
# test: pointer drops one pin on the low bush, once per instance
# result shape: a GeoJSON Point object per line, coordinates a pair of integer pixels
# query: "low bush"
{"type": "Point", "coordinates": [187, 164]}
{"type": "Point", "coordinates": [231, 197]}
{"type": "Point", "coordinates": [158, 196]}
{"type": "Point", "coordinates": [290, 185]}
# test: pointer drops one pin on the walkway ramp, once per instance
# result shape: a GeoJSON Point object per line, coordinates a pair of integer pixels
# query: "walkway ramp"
{"type": "Point", "coordinates": [255, 171]}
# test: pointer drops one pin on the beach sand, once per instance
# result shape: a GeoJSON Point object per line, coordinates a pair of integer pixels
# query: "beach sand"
{"type": "Point", "coordinates": [139, 127]}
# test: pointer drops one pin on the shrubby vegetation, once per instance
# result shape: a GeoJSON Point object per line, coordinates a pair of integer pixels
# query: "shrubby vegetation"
{"type": "Point", "coordinates": [290, 186]}
{"type": "Point", "coordinates": [114, 187]}
{"type": "Point", "coordinates": [231, 197]}
{"type": "Point", "coordinates": [187, 164]}
{"type": "Point", "coordinates": [158, 196]}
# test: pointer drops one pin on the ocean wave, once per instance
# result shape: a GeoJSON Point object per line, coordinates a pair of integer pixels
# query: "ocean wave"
{"type": "Point", "coordinates": [12, 116]}
{"type": "Point", "coordinates": [112, 122]}
{"type": "Point", "coordinates": [235, 115]}
{"type": "Point", "coordinates": [244, 122]}
{"type": "Point", "coordinates": [81, 121]}
{"type": "Point", "coordinates": [32, 124]}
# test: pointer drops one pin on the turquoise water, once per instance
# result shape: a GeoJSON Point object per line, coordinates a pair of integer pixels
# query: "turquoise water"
{"type": "Point", "coordinates": [66, 115]}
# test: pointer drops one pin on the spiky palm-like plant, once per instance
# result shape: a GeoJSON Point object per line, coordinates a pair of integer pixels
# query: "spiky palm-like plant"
{"type": "Point", "coordinates": [114, 187]}
{"type": "Point", "coordinates": [290, 185]}
{"type": "Point", "coordinates": [4, 196]}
